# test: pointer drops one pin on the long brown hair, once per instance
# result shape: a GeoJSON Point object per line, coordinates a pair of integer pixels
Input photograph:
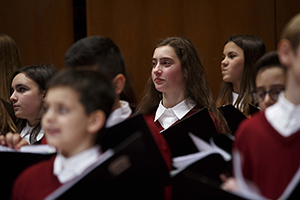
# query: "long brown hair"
{"type": "Point", "coordinates": [253, 48]}
{"type": "Point", "coordinates": [196, 83]}
{"type": "Point", "coordinates": [9, 62]}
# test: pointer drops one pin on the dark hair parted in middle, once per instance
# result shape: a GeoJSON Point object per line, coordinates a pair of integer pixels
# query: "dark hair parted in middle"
{"type": "Point", "coordinates": [95, 89]}
{"type": "Point", "coordinates": [196, 84]}
{"type": "Point", "coordinates": [253, 48]}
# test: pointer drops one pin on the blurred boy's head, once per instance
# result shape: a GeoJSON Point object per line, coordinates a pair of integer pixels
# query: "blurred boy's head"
{"type": "Point", "coordinates": [270, 80]}
{"type": "Point", "coordinates": [102, 54]}
{"type": "Point", "coordinates": [76, 107]}
{"type": "Point", "coordinates": [289, 54]}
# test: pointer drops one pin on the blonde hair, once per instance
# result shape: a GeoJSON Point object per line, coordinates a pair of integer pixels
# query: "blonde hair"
{"type": "Point", "coordinates": [291, 31]}
{"type": "Point", "coordinates": [9, 62]}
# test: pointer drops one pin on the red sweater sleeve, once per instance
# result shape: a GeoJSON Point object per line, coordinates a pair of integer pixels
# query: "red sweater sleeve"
{"type": "Point", "coordinates": [35, 182]}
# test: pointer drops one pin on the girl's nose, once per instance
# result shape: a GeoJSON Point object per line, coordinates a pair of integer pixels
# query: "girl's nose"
{"type": "Point", "coordinates": [224, 62]}
{"type": "Point", "coordinates": [13, 97]}
{"type": "Point", "coordinates": [157, 70]}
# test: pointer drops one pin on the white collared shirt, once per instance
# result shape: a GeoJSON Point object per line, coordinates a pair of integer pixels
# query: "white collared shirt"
{"type": "Point", "coordinates": [68, 168]}
{"type": "Point", "coordinates": [25, 133]}
{"type": "Point", "coordinates": [284, 116]}
{"type": "Point", "coordinates": [119, 115]}
{"type": "Point", "coordinates": [168, 116]}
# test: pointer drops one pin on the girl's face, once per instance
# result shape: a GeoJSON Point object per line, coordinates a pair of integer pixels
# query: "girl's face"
{"type": "Point", "coordinates": [26, 98]}
{"type": "Point", "coordinates": [65, 121]}
{"type": "Point", "coordinates": [166, 72]}
{"type": "Point", "coordinates": [232, 64]}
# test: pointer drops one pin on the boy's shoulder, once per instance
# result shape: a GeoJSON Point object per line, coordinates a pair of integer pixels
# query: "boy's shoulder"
{"type": "Point", "coordinates": [35, 170]}
{"type": "Point", "coordinates": [252, 126]}
{"type": "Point", "coordinates": [257, 118]}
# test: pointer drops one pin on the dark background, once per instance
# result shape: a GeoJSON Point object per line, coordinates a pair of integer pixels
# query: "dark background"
{"type": "Point", "coordinates": [45, 29]}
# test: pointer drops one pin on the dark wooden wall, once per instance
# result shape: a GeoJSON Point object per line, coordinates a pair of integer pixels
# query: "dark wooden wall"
{"type": "Point", "coordinates": [44, 30]}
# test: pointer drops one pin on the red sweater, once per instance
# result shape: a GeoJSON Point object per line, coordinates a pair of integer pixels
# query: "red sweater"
{"type": "Point", "coordinates": [36, 182]}
{"type": "Point", "coordinates": [269, 159]}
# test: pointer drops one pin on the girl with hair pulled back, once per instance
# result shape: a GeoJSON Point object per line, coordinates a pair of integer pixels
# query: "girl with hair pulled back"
{"type": "Point", "coordinates": [28, 88]}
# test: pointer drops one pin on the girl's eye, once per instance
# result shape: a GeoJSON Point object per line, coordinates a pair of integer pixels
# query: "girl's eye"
{"type": "Point", "coordinates": [21, 89]}
{"type": "Point", "coordinates": [153, 64]}
{"type": "Point", "coordinates": [232, 56]}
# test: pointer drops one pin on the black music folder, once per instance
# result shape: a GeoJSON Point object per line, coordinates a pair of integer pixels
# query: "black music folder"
{"type": "Point", "coordinates": [224, 142]}
{"type": "Point", "coordinates": [115, 135]}
{"type": "Point", "coordinates": [10, 110]}
{"type": "Point", "coordinates": [233, 116]}
{"type": "Point", "coordinates": [13, 163]}
{"type": "Point", "coordinates": [192, 185]}
{"type": "Point", "coordinates": [253, 109]}
{"type": "Point", "coordinates": [130, 173]}
{"type": "Point", "coordinates": [200, 124]}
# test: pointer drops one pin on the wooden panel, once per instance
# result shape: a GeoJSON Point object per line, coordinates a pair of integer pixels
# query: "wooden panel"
{"type": "Point", "coordinates": [285, 10]}
{"type": "Point", "coordinates": [43, 30]}
{"type": "Point", "coordinates": [137, 25]}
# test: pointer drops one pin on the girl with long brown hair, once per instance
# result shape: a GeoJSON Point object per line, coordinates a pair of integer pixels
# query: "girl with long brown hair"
{"type": "Point", "coordinates": [9, 62]}
{"type": "Point", "coordinates": [239, 56]}
{"type": "Point", "coordinates": [178, 86]}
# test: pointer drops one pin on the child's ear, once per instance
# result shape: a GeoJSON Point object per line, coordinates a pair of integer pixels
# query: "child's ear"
{"type": "Point", "coordinates": [285, 51]}
{"type": "Point", "coordinates": [119, 83]}
{"type": "Point", "coordinates": [96, 121]}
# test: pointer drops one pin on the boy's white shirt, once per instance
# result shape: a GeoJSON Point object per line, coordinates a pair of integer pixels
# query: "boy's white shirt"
{"type": "Point", "coordinates": [119, 115]}
{"type": "Point", "coordinates": [168, 116]}
{"type": "Point", "coordinates": [28, 129]}
{"type": "Point", "coordinates": [284, 116]}
{"type": "Point", "coordinates": [67, 169]}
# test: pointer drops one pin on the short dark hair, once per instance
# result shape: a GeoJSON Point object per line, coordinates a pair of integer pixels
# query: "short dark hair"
{"type": "Point", "coordinates": [96, 51]}
{"type": "Point", "coordinates": [95, 89]}
{"type": "Point", "coordinates": [102, 54]}
{"type": "Point", "coordinates": [268, 60]}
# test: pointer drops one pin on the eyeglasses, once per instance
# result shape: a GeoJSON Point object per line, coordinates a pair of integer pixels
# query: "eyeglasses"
{"type": "Point", "coordinates": [259, 94]}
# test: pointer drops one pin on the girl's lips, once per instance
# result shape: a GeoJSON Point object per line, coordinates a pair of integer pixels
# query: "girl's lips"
{"type": "Point", "coordinates": [16, 107]}
{"type": "Point", "coordinates": [158, 80]}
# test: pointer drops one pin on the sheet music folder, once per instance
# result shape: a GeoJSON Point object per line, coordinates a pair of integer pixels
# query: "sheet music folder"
{"type": "Point", "coordinates": [233, 116]}
{"type": "Point", "coordinates": [200, 124]}
{"type": "Point", "coordinates": [253, 109]}
{"type": "Point", "coordinates": [193, 186]}
{"type": "Point", "coordinates": [10, 110]}
{"type": "Point", "coordinates": [130, 173]}
{"type": "Point", "coordinates": [115, 135]}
